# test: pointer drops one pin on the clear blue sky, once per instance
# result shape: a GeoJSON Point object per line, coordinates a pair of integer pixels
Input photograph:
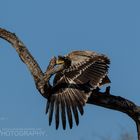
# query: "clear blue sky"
{"type": "Point", "coordinates": [49, 28]}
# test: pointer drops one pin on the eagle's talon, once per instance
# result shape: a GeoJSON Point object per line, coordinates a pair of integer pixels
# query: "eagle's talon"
{"type": "Point", "coordinates": [107, 90]}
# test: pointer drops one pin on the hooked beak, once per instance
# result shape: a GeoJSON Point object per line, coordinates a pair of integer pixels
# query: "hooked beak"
{"type": "Point", "coordinates": [60, 60]}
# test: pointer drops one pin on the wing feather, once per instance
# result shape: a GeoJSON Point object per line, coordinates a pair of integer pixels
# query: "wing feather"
{"type": "Point", "coordinates": [68, 108]}
{"type": "Point", "coordinates": [57, 106]}
{"type": "Point", "coordinates": [88, 73]}
{"type": "Point", "coordinates": [74, 109]}
{"type": "Point", "coordinates": [63, 113]}
{"type": "Point", "coordinates": [80, 102]}
{"type": "Point", "coordinates": [51, 110]}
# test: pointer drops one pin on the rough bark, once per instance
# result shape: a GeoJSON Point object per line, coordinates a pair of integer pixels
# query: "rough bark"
{"type": "Point", "coordinates": [117, 103]}
{"type": "Point", "coordinates": [105, 99]}
{"type": "Point", "coordinates": [41, 79]}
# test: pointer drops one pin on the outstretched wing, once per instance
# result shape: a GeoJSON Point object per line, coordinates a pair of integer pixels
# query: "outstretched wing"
{"type": "Point", "coordinates": [67, 98]}
{"type": "Point", "coordinates": [93, 70]}
{"type": "Point", "coordinates": [72, 87]}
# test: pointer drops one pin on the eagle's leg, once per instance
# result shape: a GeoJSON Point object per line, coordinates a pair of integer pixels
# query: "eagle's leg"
{"type": "Point", "coordinates": [107, 91]}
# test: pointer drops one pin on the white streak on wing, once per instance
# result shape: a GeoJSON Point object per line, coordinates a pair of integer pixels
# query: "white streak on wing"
{"type": "Point", "coordinates": [72, 82]}
{"type": "Point", "coordinates": [74, 67]}
{"type": "Point", "coordinates": [80, 72]}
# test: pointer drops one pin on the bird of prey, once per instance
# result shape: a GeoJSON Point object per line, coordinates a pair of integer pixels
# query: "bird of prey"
{"type": "Point", "coordinates": [77, 75]}
{"type": "Point", "coordinates": [84, 71]}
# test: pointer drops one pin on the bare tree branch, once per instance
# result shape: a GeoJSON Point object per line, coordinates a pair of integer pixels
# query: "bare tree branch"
{"type": "Point", "coordinates": [24, 54]}
{"type": "Point", "coordinates": [117, 103]}
{"type": "Point", "coordinates": [105, 99]}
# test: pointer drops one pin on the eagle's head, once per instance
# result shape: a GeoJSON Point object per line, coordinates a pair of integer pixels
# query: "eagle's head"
{"type": "Point", "coordinates": [63, 60]}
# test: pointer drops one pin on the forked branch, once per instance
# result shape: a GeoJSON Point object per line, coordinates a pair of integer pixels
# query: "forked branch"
{"type": "Point", "coordinates": [105, 99]}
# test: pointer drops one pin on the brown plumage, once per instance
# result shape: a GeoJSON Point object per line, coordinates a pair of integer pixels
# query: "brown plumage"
{"type": "Point", "coordinates": [84, 71]}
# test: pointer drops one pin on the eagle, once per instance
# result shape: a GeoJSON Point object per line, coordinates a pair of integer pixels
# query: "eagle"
{"type": "Point", "coordinates": [76, 76]}
{"type": "Point", "coordinates": [84, 71]}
